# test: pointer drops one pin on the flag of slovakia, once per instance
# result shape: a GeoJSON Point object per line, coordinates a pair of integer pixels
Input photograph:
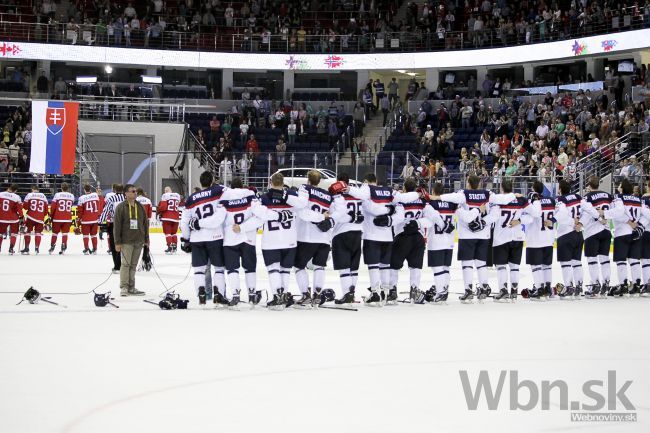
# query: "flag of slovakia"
{"type": "Point", "coordinates": [54, 137]}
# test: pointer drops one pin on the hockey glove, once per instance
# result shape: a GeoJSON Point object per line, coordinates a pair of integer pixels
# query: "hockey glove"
{"type": "Point", "coordinates": [356, 217]}
{"type": "Point", "coordinates": [383, 221]}
{"type": "Point", "coordinates": [325, 225]}
{"type": "Point", "coordinates": [411, 227]}
{"type": "Point", "coordinates": [146, 264]}
{"type": "Point", "coordinates": [285, 215]}
{"type": "Point", "coordinates": [477, 225]}
{"type": "Point", "coordinates": [194, 224]}
{"type": "Point", "coordinates": [424, 194]}
{"type": "Point", "coordinates": [278, 195]}
{"type": "Point", "coordinates": [533, 196]}
{"type": "Point", "coordinates": [637, 233]}
{"type": "Point", "coordinates": [186, 246]}
{"type": "Point", "coordinates": [337, 187]}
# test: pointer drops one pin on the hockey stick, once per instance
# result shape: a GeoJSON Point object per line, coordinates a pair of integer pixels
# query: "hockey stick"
{"type": "Point", "coordinates": [52, 302]}
{"type": "Point", "coordinates": [334, 307]}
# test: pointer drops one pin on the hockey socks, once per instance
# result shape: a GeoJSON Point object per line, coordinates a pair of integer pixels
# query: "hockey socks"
{"type": "Point", "coordinates": [567, 274]}
{"type": "Point", "coordinates": [415, 276]}
{"type": "Point", "coordinates": [481, 270]}
{"type": "Point", "coordinates": [605, 269]}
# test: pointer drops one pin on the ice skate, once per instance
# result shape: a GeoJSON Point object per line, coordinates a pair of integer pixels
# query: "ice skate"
{"type": "Point", "coordinates": [577, 291]}
{"type": "Point", "coordinates": [168, 250]}
{"type": "Point", "coordinates": [536, 294]}
{"type": "Point", "coordinates": [174, 248]}
{"type": "Point", "coordinates": [51, 250]}
{"type": "Point", "coordinates": [514, 293]}
{"type": "Point", "coordinates": [593, 291]}
{"type": "Point", "coordinates": [635, 290]}
{"type": "Point", "coordinates": [202, 295]}
{"type": "Point", "coordinates": [348, 298]}
{"type": "Point", "coordinates": [604, 289]}
{"type": "Point", "coordinates": [254, 296]}
{"type": "Point", "coordinates": [374, 300]}
{"type": "Point", "coordinates": [645, 290]}
{"type": "Point", "coordinates": [502, 296]}
{"type": "Point", "coordinates": [63, 248]}
{"type": "Point", "coordinates": [234, 303]}
{"type": "Point", "coordinates": [441, 297]}
{"type": "Point", "coordinates": [430, 295]}
{"type": "Point", "coordinates": [86, 251]}
{"type": "Point", "coordinates": [468, 296]}
{"type": "Point", "coordinates": [277, 303]}
{"type": "Point", "coordinates": [218, 299]}
{"type": "Point", "coordinates": [318, 299]}
{"type": "Point", "coordinates": [305, 299]}
{"type": "Point", "coordinates": [36, 251]}
{"type": "Point", "coordinates": [24, 251]}
{"type": "Point", "coordinates": [391, 299]}
{"type": "Point", "coordinates": [11, 251]}
{"type": "Point", "coordinates": [483, 292]}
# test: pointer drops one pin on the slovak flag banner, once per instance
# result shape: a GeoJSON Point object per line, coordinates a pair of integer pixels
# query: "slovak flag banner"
{"type": "Point", "coordinates": [54, 137]}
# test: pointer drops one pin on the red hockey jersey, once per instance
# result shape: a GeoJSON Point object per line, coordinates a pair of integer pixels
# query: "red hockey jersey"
{"type": "Point", "coordinates": [146, 204]}
{"type": "Point", "coordinates": [61, 208]}
{"type": "Point", "coordinates": [168, 207]}
{"type": "Point", "coordinates": [89, 207]}
{"type": "Point", "coordinates": [36, 206]}
{"type": "Point", "coordinates": [11, 207]}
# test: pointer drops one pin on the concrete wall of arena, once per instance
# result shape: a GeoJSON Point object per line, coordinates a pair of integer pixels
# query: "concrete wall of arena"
{"type": "Point", "coordinates": [166, 140]}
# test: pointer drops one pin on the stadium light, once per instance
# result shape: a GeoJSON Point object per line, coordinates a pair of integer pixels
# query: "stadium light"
{"type": "Point", "coordinates": [108, 69]}
{"type": "Point", "coordinates": [86, 80]}
{"type": "Point", "coordinates": [151, 79]}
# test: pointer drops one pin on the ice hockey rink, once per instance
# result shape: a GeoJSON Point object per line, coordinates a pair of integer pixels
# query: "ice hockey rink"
{"type": "Point", "coordinates": [391, 369]}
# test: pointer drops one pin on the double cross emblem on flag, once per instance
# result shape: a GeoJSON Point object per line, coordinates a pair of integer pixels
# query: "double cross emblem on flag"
{"type": "Point", "coordinates": [55, 119]}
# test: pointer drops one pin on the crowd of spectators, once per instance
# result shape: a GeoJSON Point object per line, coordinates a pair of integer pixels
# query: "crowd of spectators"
{"type": "Point", "coordinates": [542, 138]}
{"type": "Point", "coordinates": [15, 142]}
{"type": "Point", "coordinates": [341, 25]}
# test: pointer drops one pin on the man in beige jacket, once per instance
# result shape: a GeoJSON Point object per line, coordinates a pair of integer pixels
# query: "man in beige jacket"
{"type": "Point", "coordinates": [131, 233]}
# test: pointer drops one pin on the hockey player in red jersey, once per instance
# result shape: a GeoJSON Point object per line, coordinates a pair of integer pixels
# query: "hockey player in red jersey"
{"type": "Point", "coordinates": [168, 212]}
{"type": "Point", "coordinates": [89, 208]}
{"type": "Point", "coordinates": [61, 215]}
{"type": "Point", "coordinates": [144, 201]}
{"type": "Point", "coordinates": [35, 205]}
{"type": "Point", "coordinates": [11, 211]}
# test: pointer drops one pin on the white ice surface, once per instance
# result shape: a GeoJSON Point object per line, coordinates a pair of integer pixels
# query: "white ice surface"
{"type": "Point", "coordinates": [391, 369]}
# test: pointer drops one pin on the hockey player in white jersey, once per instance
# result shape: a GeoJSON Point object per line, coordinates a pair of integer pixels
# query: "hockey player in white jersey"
{"type": "Point", "coordinates": [626, 215]}
{"type": "Point", "coordinates": [346, 213]}
{"type": "Point", "coordinates": [278, 210]}
{"type": "Point", "coordinates": [377, 209]}
{"type": "Point", "coordinates": [202, 235]}
{"type": "Point", "coordinates": [473, 232]}
{"type": "Point", "coordinates": [440, 244]}
{"type": "Point", "coordinates": [240, 233]}
{"type": "Point", "coordinates": [539, 219]}
{"type": "Point", "coordinates": [507, 243]}
{"type": "Point", "coordinates": [645, 240]}
{"type": "Point", "coordinates": [569, 240]}
{"type": "Point", "coordinates": [409, 245]}
{"type": "Point", "coordinates": [314, 223]}
{"type": "Point", "coordinates": [597, 236]}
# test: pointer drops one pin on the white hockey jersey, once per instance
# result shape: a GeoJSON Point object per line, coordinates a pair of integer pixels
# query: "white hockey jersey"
{"type": "Point", "coordinates": [502, 216]}
{"type": "Point", "coordinates": [278, 235]}
{"type": "Point", "coordinates": [440, 235]}
{"type": "Point", "coordinates": [471, 200]}
{"type": "Point", "coordinates": [625, 209]}
{"type": "Point", "coordinates": [378, 200]}
{"type": "Point", "coordinates": [342, 206]}
{"type": "Point", "coordinates": [406, 212]}
{"type": "Point", "coordinates": [589, 216]}
{"type": "Point", "coordinates": [318, 203]}
{"type": "Point", "coordinates": [534, 219]}
{"type": "Point", "coordinates": [239, 211]}
{"type": "Point", "coordinates": [567, 209]}
{"type": "Point", "coordinates": [206, 207]}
